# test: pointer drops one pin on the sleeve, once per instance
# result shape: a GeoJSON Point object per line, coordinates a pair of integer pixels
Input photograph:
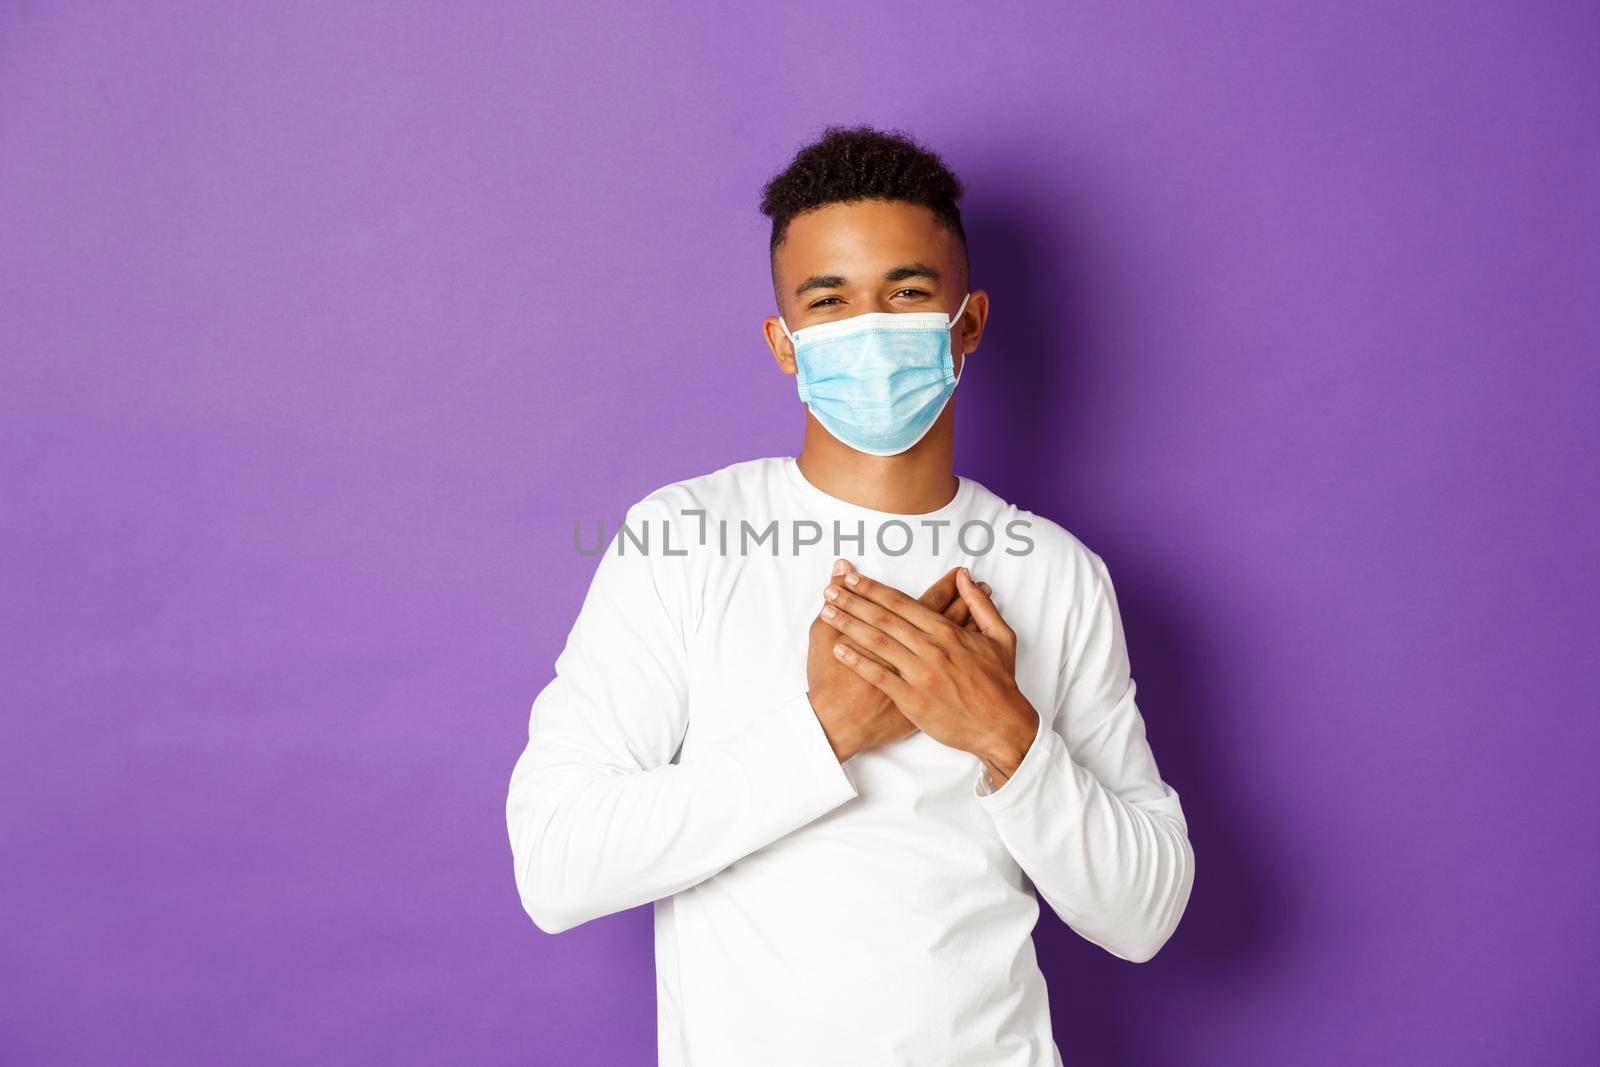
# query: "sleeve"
{"type": "Point", "coordinates": [600, 817]}
{"type": "Point", "coordinates": [1086, 815]}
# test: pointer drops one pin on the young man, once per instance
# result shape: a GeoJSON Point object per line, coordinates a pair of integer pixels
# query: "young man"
{"type": "Point", "coordinates": [840, 716]}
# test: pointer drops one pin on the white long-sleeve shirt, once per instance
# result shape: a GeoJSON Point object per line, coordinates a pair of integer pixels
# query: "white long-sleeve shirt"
{"type": "Point", "coordinates": [873, 913]}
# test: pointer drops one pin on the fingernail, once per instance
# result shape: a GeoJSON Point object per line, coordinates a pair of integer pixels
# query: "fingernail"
{"type": "Point", "coordinates": [831, 592]}
{"type": "Point", "coordinates": [829, 611]}
{"type": "Point", "coordinates": [838, 650]}
{"type": "Point", "coordinates": [838, 567]}
{"type": "Point", "coordinates": [852, 578]}
{"type": "Point", "coordinates": [985, 587]}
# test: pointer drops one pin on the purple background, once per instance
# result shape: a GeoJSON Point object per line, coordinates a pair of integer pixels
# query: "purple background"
{"type": "Point", "coordinates": [322, 323]}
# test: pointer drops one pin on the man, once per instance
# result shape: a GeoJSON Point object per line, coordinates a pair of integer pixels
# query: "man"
{"type": "Point", "coordinates": [791, 714]}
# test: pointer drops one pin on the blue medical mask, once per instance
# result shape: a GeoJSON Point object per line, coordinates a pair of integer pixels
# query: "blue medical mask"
{"type": "Point", "coordinates": [879, 381]}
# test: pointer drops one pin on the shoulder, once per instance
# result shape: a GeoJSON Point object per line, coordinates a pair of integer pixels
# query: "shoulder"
{"type": "Point", "coordinates": [655, 550]}
{"type": "Point", "coordinates": [1050, 543]}
{"type": "Point", "coordinates": [722, 489]}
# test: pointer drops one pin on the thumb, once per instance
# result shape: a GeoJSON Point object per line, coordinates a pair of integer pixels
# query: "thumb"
{"type": "Point", "coordinates": [990, 624]}
{"type": "Point", "coordinates": [941, 594]}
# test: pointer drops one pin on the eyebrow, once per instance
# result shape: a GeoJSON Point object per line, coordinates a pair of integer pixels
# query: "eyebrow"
{"type": "Point", "coordinates": [897, 274]}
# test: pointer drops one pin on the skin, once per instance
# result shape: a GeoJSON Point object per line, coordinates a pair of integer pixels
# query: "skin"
{"type": "Point", "coordinates": [956, 685]}
{"type": "Point", "coordinates": [859, 715]}
{"type": "Point", "coordinates": [882, 663]}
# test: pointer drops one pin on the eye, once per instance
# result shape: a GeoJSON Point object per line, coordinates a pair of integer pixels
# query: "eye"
{"type": "Point", "coordinates": [917, 292]}
{"type": "Point", "coordinates": [823, 302]}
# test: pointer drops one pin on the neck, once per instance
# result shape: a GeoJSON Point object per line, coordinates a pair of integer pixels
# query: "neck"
{"type": "Point", "coordinates": [919, 480]}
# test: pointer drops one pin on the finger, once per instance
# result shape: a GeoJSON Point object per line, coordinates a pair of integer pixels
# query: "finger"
{"type": "Point", "coordinates": [941, 594]}
{"type": "Point", "coordinates": [972, 623]}
{"type": "Point", "coordinates": [831, 636]}
{"type": "Point", "coordinates": [881, 619]}
{"type": "Point", "coordinates": [867, 636]}
{"type": "Point", "coordinates": [841, 639]}
{"type": "Point", "coordinates": [983, 610]}
{"type": "Point", "coordinates": [842, 567]}
{"type": "Point", "coordinates": [887, 682]}
{"type": "Point", "coordinates": [958, 613]}
{"type": "Point", "coordinates": [894, 601]}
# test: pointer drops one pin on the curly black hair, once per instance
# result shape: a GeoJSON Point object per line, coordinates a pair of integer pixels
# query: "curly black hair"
{"type": "Point", "coordinates": [860, 162]}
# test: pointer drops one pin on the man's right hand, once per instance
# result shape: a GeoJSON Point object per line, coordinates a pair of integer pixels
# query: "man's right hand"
{"type": "Point", "coordinates": [855, 715]}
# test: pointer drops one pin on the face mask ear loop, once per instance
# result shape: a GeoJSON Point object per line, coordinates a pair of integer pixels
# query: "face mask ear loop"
{"type": "Point", "coordinates": [957, 316]}
{"type": "Point", "coordinates": [800, 384]}
{"type": "Point", "coordinates": [955, 319]}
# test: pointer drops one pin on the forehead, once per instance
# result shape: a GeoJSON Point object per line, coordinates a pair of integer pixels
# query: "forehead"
{"type": "Point", "coordinates": [862, 237]}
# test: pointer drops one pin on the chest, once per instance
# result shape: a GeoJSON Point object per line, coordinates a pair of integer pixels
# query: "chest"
{"type": "Point", "coordinates": [749, 648]}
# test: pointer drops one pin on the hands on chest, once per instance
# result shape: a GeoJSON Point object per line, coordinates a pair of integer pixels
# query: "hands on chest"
{"type": "Point", "coordinates": [882, 664]}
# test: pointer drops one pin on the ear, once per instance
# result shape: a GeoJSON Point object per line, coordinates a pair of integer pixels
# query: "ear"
{"type": "Point", "coordinates": [782, 348]}
{"type": "Point", "coordinates": [969, 331]}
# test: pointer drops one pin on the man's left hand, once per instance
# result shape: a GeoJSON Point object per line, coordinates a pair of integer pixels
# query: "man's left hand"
{"type": "Point", "coordinates": [957, 686]}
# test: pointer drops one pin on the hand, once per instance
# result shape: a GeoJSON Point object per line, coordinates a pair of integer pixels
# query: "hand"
{"type": "Point", "coordinates": [957, 686]}
{"type": "Point", "coordinates": [856, 715]}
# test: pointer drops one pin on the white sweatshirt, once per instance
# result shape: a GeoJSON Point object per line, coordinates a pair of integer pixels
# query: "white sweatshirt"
{"type": "Point", "coordinates": [873, 913]}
